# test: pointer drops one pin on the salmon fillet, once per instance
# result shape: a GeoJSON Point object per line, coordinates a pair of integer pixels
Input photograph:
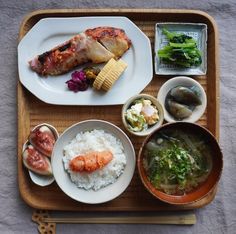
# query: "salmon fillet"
{"type": "Point", "coordinates": [97, 45]}
{"type": "Point", "coordinates": [91, 161]}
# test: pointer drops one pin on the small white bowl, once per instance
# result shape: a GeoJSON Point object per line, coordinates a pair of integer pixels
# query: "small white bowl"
{"type": "Point", "coordinates": [182, 81]}
{"type": "Point", "coordinates": [41, 180]}
{"type": "Point", "coordinates": [151, 128]}
{"type": "Point", "coordinates": [104, 194]}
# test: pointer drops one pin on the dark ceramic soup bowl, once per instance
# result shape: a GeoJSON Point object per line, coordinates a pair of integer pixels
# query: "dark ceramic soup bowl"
{"type": "Point", "coordinates": [204, 188]}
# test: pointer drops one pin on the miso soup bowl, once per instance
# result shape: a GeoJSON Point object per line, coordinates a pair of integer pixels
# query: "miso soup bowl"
{"type": "Point", "coordinates": [203, 189]}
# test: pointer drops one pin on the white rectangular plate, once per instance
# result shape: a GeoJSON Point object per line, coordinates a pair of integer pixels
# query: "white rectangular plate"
{"type": "Point", "coordinates": [50, 32]}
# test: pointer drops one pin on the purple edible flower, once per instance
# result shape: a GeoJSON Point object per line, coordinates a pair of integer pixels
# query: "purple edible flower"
{"type": "Point", "coordinates": [72, 85]}
{"type": "Point", "coordinates": [78, 76]}
{"type": "Point", "coordinates": [78, 82]}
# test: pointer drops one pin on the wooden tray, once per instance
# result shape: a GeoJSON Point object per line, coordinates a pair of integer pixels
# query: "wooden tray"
{"type": "Point", "coordinates": [32, 111]}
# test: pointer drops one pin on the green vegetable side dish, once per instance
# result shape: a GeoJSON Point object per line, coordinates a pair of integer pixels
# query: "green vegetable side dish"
{"type": "Point", "coordinates": [176, 162]}
{"type": "Point", "coordinates": [181, 50]}
{"type": "Point", "coordinates": [141, 114]}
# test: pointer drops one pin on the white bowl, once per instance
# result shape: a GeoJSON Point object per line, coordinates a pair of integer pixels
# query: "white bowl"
{"type": "Point", "coordinates": [182, 81]}
{"type": "Point", "coordinates": [41, 180]}
{"type": "Point", "coordinates": [107, 193]}
{"type": "Point", "coordinates": [151, 128]}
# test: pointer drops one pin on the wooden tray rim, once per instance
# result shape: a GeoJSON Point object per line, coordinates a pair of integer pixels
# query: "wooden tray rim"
{"type": "Point", "coordinates": [123, 10]}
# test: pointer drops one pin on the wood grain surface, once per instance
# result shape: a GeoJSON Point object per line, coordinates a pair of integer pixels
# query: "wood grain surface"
{"type": "Point", "coordinates": [32, 111]}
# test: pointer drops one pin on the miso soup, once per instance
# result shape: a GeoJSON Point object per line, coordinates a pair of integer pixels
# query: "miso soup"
{"type": "Point", "coordinates": [177, 161]}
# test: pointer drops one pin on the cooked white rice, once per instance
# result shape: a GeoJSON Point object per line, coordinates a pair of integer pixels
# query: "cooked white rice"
{"type": "Point", "coordinates": [95, 140]}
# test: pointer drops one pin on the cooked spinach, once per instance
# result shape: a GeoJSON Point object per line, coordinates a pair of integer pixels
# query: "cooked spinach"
{"type": "Point", "coordinates": [181, 50]}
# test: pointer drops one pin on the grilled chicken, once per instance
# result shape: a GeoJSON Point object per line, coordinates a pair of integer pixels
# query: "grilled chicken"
{"type": "Point", "coordinates": [96, 45]}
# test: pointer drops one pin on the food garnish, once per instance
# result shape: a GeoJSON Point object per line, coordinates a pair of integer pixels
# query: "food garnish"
{"type": "Point", "coordinates": [141, 114]}
{"type": "Point", "coordinates": [36, 161]}
{"type": "Point", "coordinates": [176, 161]}
{"type": "Point", "coordinates": [91, 161]}
{"type": "Point", "coordinates": [99, 79]}
{"type": "Point", "coordinates": [181, 101]}
{"type": "Point", "coordinates": [91, 73]}
{"type": "Point", "coordinates": [80, 80]}
{"type": "Point", "coordinates": [97, 45]}
{"type": "Point", "coordinates": [181, 50]}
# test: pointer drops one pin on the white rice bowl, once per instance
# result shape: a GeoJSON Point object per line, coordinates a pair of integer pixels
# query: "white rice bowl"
{"type": "Point", "coordinates": [95, 140]}
{"type": "Point", "coordinates": [63, 178]}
